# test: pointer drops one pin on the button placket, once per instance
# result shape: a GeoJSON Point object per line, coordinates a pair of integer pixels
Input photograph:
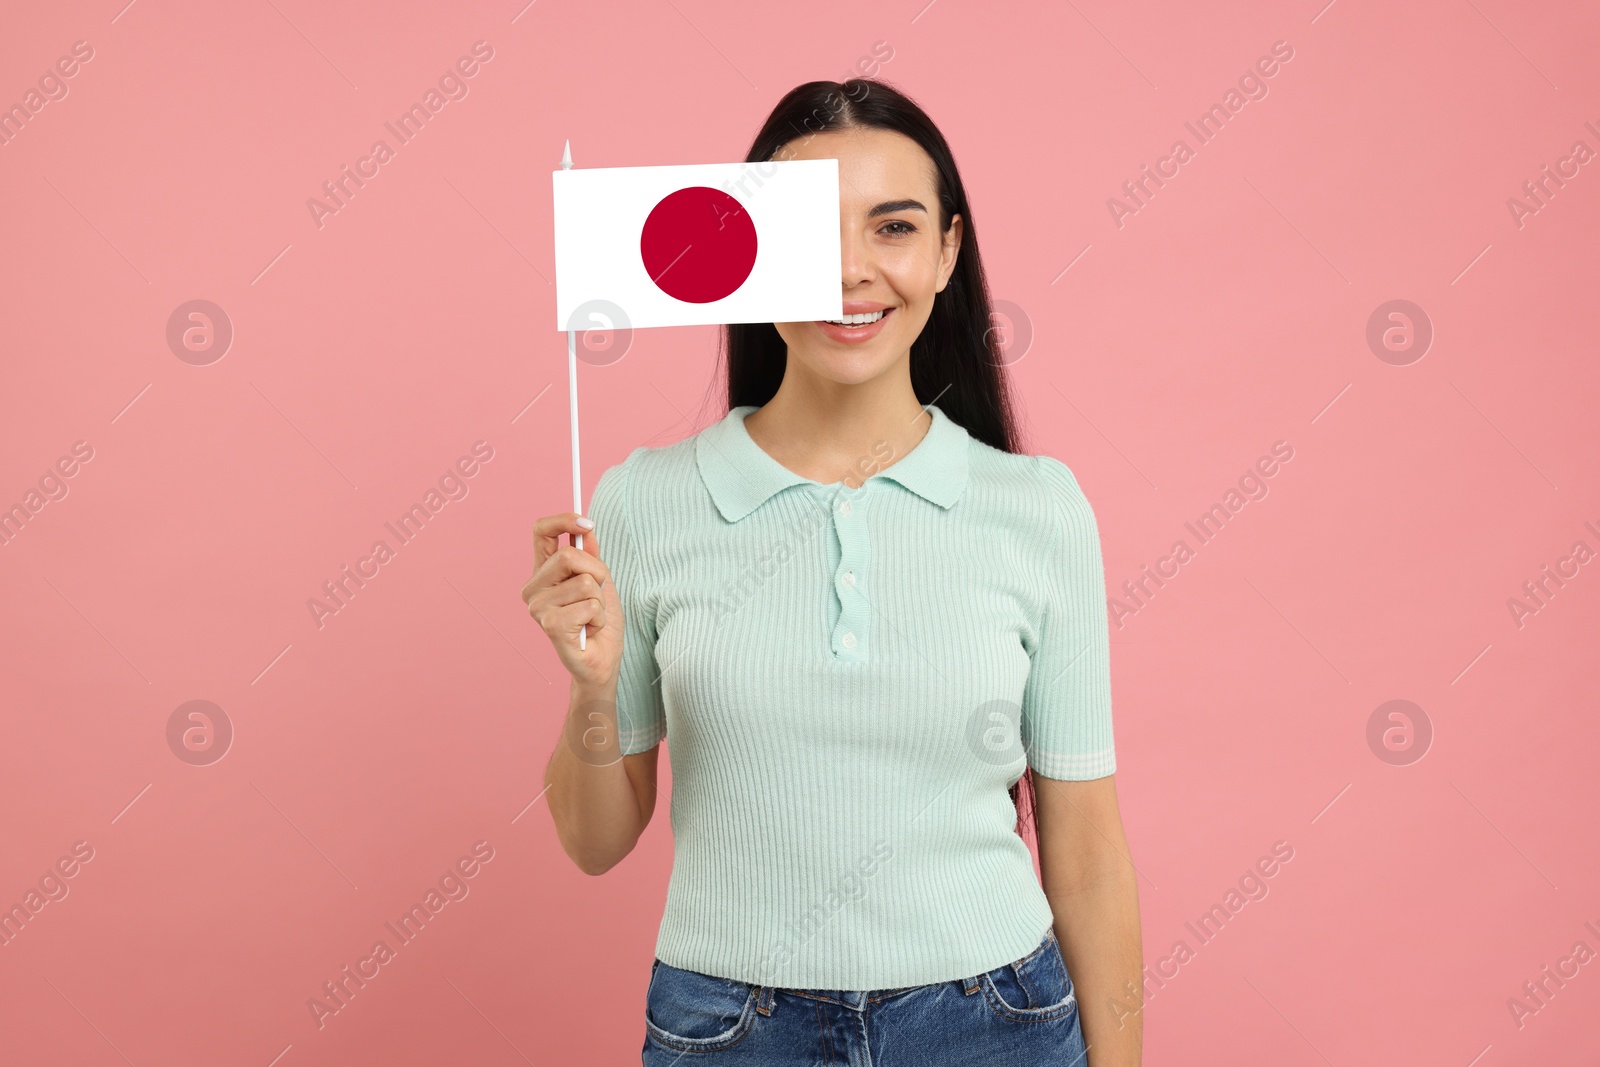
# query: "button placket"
{"type": "Point", "coordinates": [851, 631]}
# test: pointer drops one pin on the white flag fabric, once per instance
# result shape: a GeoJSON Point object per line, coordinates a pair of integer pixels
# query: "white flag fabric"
{"type": "Point", "coordinates": [700, 244]}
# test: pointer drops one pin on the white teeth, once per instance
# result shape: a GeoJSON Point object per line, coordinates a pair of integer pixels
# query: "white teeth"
{"type": "Point", "coordinates": [857, 320]}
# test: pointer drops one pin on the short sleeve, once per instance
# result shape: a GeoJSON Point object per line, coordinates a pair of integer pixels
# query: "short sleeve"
{"type": "Point", "coordinates": [641, 714]}
{"type": "Point", "coordinates": [1066, 705]}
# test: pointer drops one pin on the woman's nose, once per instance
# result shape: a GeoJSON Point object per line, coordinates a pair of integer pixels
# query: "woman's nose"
{"type": "Point", "coordinates": [855, 256]}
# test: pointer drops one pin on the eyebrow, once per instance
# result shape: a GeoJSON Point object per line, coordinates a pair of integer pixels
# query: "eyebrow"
{"type": "Point", "coordinates": [890, 207]}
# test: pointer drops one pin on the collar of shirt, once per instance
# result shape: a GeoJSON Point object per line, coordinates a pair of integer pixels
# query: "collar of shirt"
{"type": "Point", "coordinates": [741, 476]}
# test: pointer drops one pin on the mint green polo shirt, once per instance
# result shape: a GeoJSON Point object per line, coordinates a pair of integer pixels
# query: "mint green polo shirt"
{"type": "Point", "coordinates": [849, 681]}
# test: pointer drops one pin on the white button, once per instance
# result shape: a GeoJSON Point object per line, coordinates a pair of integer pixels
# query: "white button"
{"type": "Point", "coordinates": [848, 640]}
{"type": "Point", "coordinates": [844, 509]}
{"type": "Point", "coordinates": [849, 577]}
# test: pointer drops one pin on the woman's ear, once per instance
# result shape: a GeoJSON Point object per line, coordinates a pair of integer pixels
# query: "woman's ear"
{"type": "Point", "coordinates": [949, 251]}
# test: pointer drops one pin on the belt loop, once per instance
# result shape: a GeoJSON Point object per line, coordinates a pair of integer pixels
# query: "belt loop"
{"type": "Point", "coordinates": [765, 997]}
{"type": "Point", "coordinates": [971, 986]}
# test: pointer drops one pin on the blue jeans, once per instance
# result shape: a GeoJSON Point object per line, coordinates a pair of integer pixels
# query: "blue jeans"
{"type": "Point", "coordinates": [1022, 1013]}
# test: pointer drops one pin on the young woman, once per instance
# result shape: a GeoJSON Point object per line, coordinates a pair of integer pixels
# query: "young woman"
{"type": "Point", "coordinates": [869, 626]}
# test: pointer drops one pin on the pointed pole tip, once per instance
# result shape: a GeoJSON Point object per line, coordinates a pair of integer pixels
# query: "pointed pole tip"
{"type": "Point", "coordinates": [566, 156]}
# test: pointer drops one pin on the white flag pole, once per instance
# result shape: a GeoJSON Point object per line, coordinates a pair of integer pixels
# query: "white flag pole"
{"type": "Point", "coordinates": [572, 399]}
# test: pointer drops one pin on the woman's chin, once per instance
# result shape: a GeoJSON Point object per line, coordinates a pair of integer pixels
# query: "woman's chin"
{"type": "Point", "coordinates": [850, 367]}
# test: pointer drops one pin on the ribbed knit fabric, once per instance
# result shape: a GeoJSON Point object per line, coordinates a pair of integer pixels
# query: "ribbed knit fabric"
{"type": "Point", "coordinates": [849, 681]}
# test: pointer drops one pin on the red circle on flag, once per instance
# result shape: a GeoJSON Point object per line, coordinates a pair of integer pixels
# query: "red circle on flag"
{"type": "Point", "coordinates": [698, 244]}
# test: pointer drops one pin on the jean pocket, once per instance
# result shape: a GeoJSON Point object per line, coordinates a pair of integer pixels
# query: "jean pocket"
{"type": "Point", "coordinates": [693, 1012]}
{"type": "Point", "coordinates": [1035, 988]}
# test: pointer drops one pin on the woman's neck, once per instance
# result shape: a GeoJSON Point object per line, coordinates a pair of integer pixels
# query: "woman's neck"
{"type": "Point", "coordinates": [831, 432]}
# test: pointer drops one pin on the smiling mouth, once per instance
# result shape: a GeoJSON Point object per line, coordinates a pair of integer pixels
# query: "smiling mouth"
{"type": "Point", "coordinates": [858, 321]}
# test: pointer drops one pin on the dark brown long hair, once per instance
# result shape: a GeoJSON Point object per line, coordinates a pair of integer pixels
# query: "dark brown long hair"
{"type": "Point", "coordinates": [956, 360]}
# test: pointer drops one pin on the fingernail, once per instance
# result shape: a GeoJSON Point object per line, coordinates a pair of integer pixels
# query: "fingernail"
{"type": "Point", "coordinates": [585, 524]}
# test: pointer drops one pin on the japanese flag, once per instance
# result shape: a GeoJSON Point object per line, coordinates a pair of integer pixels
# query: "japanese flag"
{"type": "Point", "coordinates": [701, 244]}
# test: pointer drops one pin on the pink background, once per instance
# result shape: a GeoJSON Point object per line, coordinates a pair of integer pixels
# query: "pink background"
{"type": "Point", "coordinates": [369, 354]}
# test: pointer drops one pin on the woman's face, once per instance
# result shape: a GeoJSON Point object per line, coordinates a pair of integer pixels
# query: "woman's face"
{"type": "Point", "coordinates": [892, 256]}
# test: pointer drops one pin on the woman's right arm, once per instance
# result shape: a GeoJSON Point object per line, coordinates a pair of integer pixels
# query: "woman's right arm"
{"type": "Point", "coordinates": [600, 799]}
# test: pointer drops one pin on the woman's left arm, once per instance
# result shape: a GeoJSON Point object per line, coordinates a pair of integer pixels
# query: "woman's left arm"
{"type": "Point", "coordinates": [1093, 891]}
